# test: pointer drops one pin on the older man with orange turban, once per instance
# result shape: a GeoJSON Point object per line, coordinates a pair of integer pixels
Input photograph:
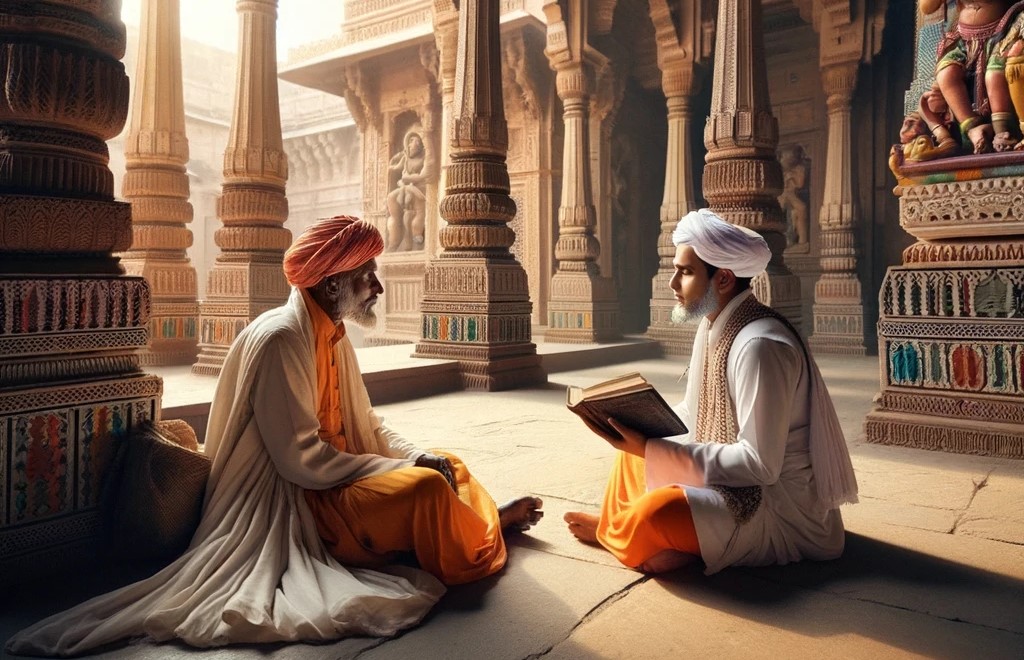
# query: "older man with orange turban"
{"type": "Point", "coordinates": [314, 510]}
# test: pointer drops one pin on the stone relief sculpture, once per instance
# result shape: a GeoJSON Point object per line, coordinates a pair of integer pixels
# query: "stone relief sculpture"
{"type": "Point", "coordinates": [794, 180]}
{"type": "Point", "coordinates": [407, 201]}
{"type": "Point", "coordinates": [979, 84]}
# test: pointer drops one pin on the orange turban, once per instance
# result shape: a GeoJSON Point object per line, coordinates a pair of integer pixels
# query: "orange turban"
{"type": "Point", "coordinates": [330, 246]}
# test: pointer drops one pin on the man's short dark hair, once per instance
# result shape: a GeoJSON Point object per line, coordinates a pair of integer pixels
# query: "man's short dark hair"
{"type": "Point", "coordinates": [742, 283]}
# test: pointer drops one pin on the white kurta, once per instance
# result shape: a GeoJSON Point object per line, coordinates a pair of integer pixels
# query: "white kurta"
{"type": "Point", "coordinates": [256, 570]}
{"type": "Point", "coordinates": [769, 385]}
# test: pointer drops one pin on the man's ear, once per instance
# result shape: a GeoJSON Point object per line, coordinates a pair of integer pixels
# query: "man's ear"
{"type": "Point", "coordinates": [331, 287]}
{"type": "Point", "coordinates": [726, 280]}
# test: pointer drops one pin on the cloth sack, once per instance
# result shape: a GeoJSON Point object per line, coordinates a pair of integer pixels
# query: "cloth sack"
{"type": "Point", "coordinates": [152, 497]}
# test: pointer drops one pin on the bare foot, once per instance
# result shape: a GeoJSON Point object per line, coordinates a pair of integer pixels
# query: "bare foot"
{"type": "Point", "coordinates": [665, 561]}
{"type": "Point", "coordinates": [520, 514]}
{"type": "Point", "coordinates": [1004, 142]}
{"type": "Point", "coordinates": [981, 137]}
{"type": "Point", "coordinates": [582, 525]}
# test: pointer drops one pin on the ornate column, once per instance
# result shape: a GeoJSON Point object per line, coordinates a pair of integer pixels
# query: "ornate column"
{"type": "Point", "coordinates": [951, 317]}
{"type": "Point", "coordinates": [679, 56]}
{"type": "Point", "coordinates": [476, 306]}
{"type": "Point", "coordinates": [583, 305]}
{"type": "Point", "coordinates": [71, 324]}
{"type": "Point", "coordinates": [247, 279]}
{"type": "Point", "coordinates": [742, 178]}
{"type": "Point", "coordinates": [446, 39]}
{"type": "Point", "coordinates": [155, 183]}
{"type": "Point", "coordinates": [838, 307]}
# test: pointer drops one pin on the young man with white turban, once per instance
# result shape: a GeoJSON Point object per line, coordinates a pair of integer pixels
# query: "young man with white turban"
{"type": "Point", "coordinates": [311, 503]}
{"type": "Point", "coordinates": [760, 475]}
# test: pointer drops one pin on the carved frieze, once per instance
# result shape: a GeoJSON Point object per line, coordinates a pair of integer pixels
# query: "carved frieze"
{"type": "Point", "coordinates": [90, 22]}
{"type": "Point", "coordinates": [963, 292]}
{"type": "Point", "coordinates": [1002, 252]}
{"type": "Point", "coordinates": [55, 304]}
{"type": "Point", "coordinates": [959, 209]}
{"type": "Point", "coordinates": [964, 437]}
{"type": "Point", "coordinates": [61, 225]}
{"type": "Point", "coordinates": [95, 102]}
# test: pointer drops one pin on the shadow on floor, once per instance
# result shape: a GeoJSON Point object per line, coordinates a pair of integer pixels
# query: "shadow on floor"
{"type": "Point", "coordinates": [872, 573]}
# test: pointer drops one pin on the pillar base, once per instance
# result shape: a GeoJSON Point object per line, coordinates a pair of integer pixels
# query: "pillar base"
{"type": "Point", "coordinates": [984, 438]}
{"type": "Point", "coordinates": [838, 330]}
{"type": "Point", "coordinates": [237, 293]}
{"type": "Point", "coordinates": [173, 335]}
{"type": "Point", "coordinates": [951, 347]}
{"type": "Point", "coordinates": [476, 311]}
{"type": "Point", "coordinates": [490, 368]}
{"type": "Point", "coordinates": [675, 339]}
{"type": "Point", "coordinates": [582, 310]}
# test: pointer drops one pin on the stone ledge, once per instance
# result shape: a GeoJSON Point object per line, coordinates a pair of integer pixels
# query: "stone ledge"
{"type": "Point", "coordinates": [985, 438]}
{"type": "Point", "coordinates": [391, 374]}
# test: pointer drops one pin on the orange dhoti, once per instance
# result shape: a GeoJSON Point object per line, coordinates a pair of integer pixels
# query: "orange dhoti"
{"type": "Point", "coordinates": [376, 520]}
{"type": "Point", "coordinates": [636, 524]}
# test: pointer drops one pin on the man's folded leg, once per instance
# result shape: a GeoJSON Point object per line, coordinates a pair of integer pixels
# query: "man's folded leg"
{"type": "Point", "coordinates": [636, 525]}
{"type": "Point", "coordinates": [373, 521]}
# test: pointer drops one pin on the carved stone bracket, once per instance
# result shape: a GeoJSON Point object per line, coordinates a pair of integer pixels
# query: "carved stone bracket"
{"type": "Point", "coordinates": [362, 97]}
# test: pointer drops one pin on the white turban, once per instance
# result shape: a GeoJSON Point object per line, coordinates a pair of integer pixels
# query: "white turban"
{"type": "Point", "coordinates": [723, 245]}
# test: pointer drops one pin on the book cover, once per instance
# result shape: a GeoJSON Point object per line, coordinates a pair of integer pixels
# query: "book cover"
{"type": "Point", "coordinates": [631, 400]}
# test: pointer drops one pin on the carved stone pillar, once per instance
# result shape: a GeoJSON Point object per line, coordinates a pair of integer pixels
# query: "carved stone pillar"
{"type": "Point", "coordinates": [71, 324]}
{"type": "Point", "coordinates": [583, 305]}
{"type": "Point", "coordinates": [742, 178]}
{"type": "Point", "coordinates": [678, 54]}
{"type": "Point", "coordinates": [247, 278]}
{"type": "Point", "coordinates": [155, 183]}
{"type": "Point", "coordinates": [446, 38]}
{"type": "Point", "coordinates": [476, 306]}
{"type": "Point", "coordinates": [838, 307]}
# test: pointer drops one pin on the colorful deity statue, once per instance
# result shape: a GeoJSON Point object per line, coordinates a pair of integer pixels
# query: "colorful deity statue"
{"type": "Point", "coordinates": [979, 70]}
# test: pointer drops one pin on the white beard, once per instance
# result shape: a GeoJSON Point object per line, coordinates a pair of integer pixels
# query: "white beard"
{"type": "Point", "coordinates": [707, 304]}
{"type": "Point", "coordinates": [362, 315]}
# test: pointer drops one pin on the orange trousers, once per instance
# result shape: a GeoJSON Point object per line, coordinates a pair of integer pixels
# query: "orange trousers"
{"type": "Point", "coordinates": [377, 520]}
{"type": "Point", "coordinates": [636, 524]}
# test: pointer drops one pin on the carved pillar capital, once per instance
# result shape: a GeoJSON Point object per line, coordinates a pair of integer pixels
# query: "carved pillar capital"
{"type": "Point", "coordinates": [680, 79]}
{"type": "Point", "coordinates": [839, 82]}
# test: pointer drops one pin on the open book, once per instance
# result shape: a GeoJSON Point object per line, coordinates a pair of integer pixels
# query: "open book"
{"type": "Point", "coordinates": [631, 400]}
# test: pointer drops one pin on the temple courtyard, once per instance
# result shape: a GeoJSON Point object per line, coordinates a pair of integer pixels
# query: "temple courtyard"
{"type": "Point", "coordinates": [934, 562]}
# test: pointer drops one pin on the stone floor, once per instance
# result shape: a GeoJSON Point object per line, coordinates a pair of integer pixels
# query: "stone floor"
{"type": "Point", "coordinates": [934, 565]}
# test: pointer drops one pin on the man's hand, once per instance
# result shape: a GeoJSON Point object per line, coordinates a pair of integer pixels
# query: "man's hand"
{"type": "Point", "coordinates": [442, 465]}
{"type": "Point", "coordinates": [628, 440]}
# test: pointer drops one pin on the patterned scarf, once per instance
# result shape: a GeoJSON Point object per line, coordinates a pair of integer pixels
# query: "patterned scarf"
{"type": "Point", "coordinates": [716, 414]}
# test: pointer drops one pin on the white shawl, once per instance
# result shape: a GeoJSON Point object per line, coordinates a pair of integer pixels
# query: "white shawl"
{"type": "Point", "coordinates": [256, 570]}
